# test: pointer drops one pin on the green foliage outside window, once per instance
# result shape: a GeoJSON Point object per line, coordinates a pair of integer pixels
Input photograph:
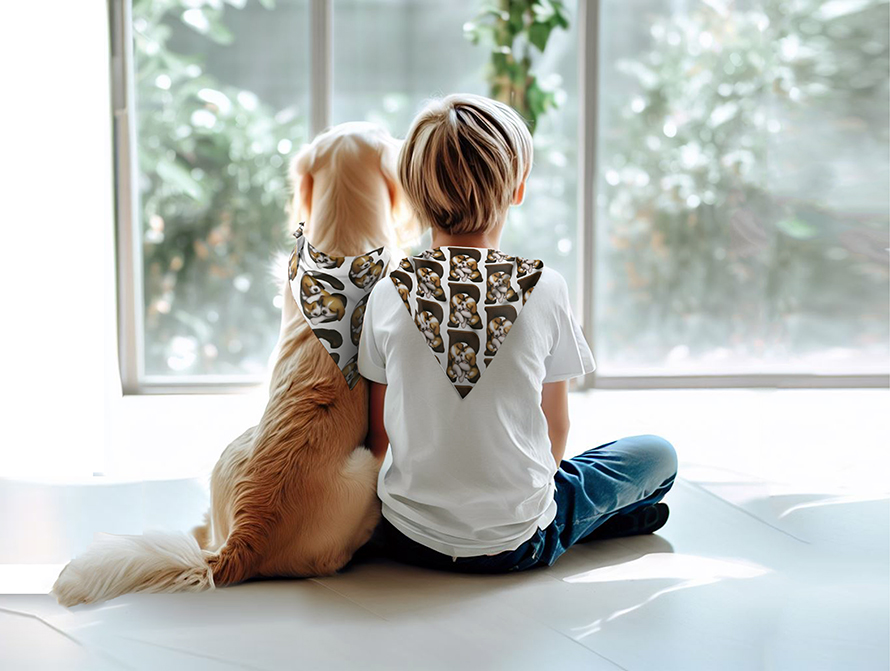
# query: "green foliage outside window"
{"type": "Point", "coordinates": [725, 224]}
{"type": "Point", "coordinates": [212, 162]}
{"type": "Point", "coordinates": [515, 30]}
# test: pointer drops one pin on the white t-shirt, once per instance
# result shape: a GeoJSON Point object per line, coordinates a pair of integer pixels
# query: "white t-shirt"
{"type": "Point", "coordinates": [470, 476]}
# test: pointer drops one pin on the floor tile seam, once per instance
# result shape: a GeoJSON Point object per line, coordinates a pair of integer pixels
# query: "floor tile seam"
{"type": "Point", "coordinates": [546, 625]}
{"type": "Point", "coordinates": [190, 653]}
{"type": "Point", "coordinates": [711, 494]}
{"type": "Point", "coordinates": [90, 648]}
{"type": "Point", "coordinates": [349, 599]}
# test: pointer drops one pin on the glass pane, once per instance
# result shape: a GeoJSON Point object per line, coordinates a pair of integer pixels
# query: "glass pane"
{"type": "Point", "coordinates": [222, 98]}
{"type": "Point", "coordinates": [421, 49]}
{"type": "Point", "coordinates": [743, 187]}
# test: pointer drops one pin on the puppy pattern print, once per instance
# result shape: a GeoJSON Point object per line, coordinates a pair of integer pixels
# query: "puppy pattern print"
{"type": "Point", "coordinates": [464, 301]}
{"type": "Point", "coordinates": [332, 292]}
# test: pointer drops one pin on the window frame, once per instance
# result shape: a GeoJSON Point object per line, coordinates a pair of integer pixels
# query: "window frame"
{"type": "Point", "coordinates": [129, 253]}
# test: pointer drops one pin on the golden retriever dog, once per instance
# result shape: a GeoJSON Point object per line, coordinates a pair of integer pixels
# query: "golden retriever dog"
{"type": "Point", "coordinates": [295, 495]}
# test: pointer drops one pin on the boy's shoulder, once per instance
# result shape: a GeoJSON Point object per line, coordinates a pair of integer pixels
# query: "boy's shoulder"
{"type": "Point", "coordinates": [550, 294]}
{"type": "Point", "coordinates": [552, 278]}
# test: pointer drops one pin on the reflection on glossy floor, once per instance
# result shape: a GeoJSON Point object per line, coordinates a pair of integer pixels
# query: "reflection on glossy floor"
{"type": "Point", "coordinates": [775, 557]}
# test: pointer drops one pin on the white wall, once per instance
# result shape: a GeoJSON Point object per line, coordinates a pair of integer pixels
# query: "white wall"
{"type": "Point", "coordinates": [58, 370]}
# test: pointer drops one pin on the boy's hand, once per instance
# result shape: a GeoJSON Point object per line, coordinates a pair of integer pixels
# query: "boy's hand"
{"type": "Point", "coordinates": [377, 441]}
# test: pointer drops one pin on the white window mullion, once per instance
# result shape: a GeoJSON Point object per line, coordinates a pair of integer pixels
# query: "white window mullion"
{"type": "Point", "coordinates": [588, 20]}
{"type": "Point", "coordinates": [129, 253]}
{"type": "Point", "coordinates": [322, 65]}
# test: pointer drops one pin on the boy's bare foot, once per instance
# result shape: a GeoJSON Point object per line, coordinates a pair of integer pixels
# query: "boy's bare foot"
{"type": "Point", "coordinates": [645, 520]}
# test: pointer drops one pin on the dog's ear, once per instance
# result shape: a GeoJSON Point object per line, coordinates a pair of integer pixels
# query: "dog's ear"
{"type": "Point", "coordinates": [305, 195]}
{"type": "Point", "coordinates": [300, 179]}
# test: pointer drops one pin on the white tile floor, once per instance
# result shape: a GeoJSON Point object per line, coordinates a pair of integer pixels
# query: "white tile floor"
{"type": "Point", "coordinates": [775, 557]}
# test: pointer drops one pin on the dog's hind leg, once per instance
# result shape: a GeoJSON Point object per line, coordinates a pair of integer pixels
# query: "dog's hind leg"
{"type": "Point", "coordinates": [240, 556]}
{"type": "Point", "coordinates": [230, 471]}
{"type": "Point", "coordinates": [235, 561]}
{"type": "Point", "coordinates": [255, 506]}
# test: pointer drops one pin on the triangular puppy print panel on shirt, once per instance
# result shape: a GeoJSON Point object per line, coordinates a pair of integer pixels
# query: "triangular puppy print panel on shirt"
{"type": "Point", "coordinates": [464, 301]}
{"type": "Point", "coordinates": [332, 292]}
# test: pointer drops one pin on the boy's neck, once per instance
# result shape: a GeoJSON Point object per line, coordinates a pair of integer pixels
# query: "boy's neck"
{"type": "Point", "coordinates": [487, 240]}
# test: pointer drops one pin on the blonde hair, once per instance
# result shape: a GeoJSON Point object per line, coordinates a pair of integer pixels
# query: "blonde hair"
{"type": "Point", "coordinates": [463, 159]}
{"type": "Point", "coordinates": [343, 167]}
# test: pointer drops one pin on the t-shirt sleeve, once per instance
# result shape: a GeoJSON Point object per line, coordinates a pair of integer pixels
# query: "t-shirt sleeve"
{"type": "Point", "coordinates": [371, 362]}
{"type": "Point", "coordinates": [570, 355]}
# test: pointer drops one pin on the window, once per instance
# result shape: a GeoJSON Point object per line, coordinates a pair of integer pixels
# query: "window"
{"type": "Point", "coordinates": [221, 102]}
{"type": "Point", "coordinates": [742, 176]}
{"type": "Point", "coordinates": [389, 87]}
{"type": "Point", "coordinates": [726, 240]}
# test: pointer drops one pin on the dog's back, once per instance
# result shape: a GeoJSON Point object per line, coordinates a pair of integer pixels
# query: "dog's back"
{"type": "Point", "coordinates": [299, 483]}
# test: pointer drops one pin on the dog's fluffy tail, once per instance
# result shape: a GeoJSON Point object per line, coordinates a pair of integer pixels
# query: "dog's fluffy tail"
{"type": "Point", "coordinates": [115, 565]}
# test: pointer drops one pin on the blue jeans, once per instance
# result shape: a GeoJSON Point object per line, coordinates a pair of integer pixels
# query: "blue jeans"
{"type": "Point", "coordinates": [608, 480]}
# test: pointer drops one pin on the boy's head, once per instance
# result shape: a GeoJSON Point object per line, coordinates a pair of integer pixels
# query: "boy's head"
{"type": "Point", "coordinates": [464, 162]}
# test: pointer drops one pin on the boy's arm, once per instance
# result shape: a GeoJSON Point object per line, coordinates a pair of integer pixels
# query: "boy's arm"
{"type": "Point", "coordinates": [377, 441]}
{"type": "Point", "coordinates": [555, 404]}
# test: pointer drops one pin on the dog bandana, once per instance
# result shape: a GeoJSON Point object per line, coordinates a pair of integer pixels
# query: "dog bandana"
{"type": "Point", "coordinates": [332, 292]}
{"type": "Point", "coordinates": [465, 300]}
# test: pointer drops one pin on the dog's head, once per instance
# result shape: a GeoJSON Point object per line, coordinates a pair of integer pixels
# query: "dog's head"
{"type": "Point", "coordinates": [347, 177]}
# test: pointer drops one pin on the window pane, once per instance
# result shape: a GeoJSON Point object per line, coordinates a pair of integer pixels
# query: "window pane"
{"type": "Point", "coordinates": [419, 51]}
{"type": "Point", "coordinates": [222, 97]}
{"type": "Point", "coordinates": [743, 174]}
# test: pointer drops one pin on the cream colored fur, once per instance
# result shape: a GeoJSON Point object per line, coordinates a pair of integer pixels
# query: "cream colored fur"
{"type": "Point", "coordinates": [294, 496]}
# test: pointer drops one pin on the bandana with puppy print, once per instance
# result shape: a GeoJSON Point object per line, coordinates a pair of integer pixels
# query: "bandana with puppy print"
{"type": "Point", "coordinates": [465, 300]}
{"type": "Point", "coordinates": [332, 292]}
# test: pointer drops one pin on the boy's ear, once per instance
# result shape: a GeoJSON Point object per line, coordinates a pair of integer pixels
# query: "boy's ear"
{"type": "Point", "coordinates": [519, 194]}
